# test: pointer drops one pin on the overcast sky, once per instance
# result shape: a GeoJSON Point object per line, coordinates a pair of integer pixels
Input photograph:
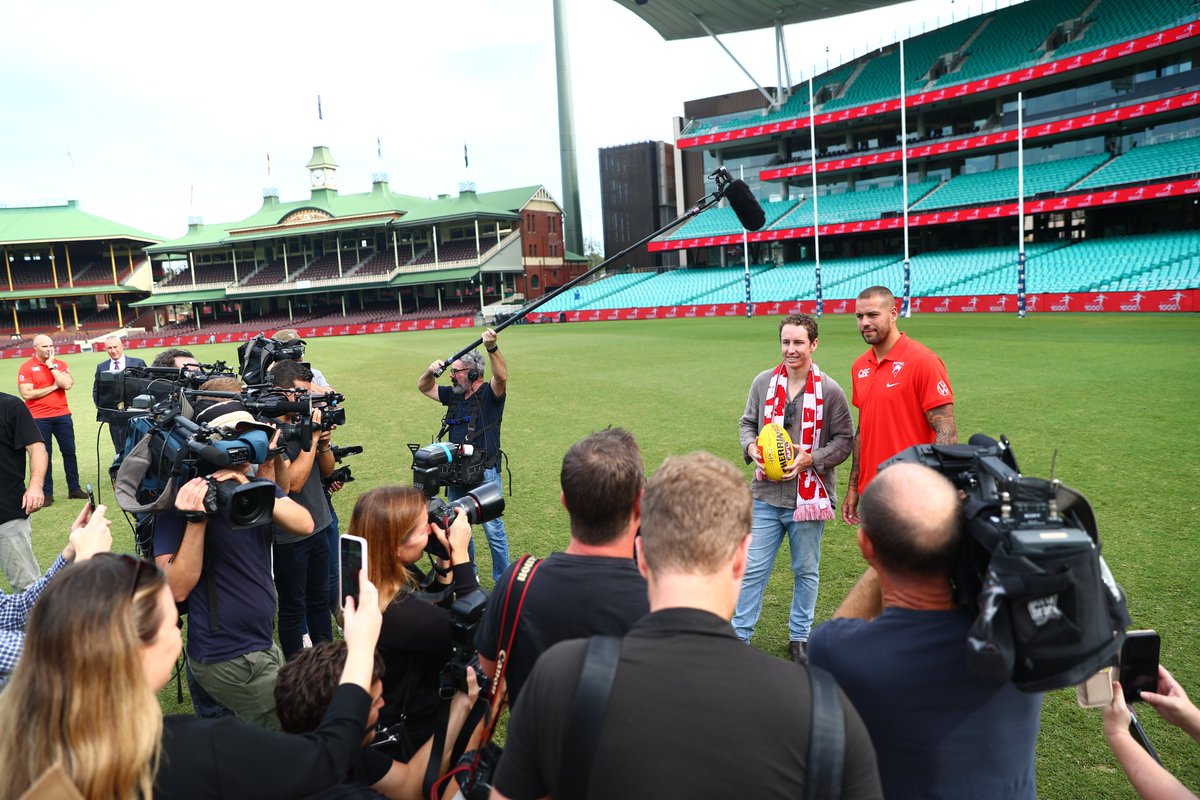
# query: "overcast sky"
{"type": "Point", "coordinates": [150, 113]}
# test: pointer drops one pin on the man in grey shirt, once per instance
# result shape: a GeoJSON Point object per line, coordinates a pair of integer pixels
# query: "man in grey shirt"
{"type": "Point", "coordinates": [813, 409]}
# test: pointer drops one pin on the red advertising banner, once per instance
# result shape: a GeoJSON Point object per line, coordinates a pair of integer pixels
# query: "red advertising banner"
{"type": "Point", "coordinates": [309, 332]}
{"type": "Point", "coordinates": [1008, 79]}
{"type": "Point", "coordinates": [1082, 200]}
{"type": "Point", "coordinates": [1081, 122]}
{"type": "Point", "coordinates": [1086, 302]}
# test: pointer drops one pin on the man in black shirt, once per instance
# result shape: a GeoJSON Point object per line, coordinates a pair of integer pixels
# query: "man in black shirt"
{"type": "Point", "coordinates": [474, 412]}
{"type": "Point", "coordinates": [19, 435]}
{"type": "Point", "coordinates": [692, 712]}
{"type": "Point", "coordinates": [594, 587]}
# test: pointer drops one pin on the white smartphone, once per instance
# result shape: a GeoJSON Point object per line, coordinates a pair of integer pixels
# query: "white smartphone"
{"type": "Point", "coordinates": [1096, 691]}
{"type": "Point", "coordinates": [352, 557]}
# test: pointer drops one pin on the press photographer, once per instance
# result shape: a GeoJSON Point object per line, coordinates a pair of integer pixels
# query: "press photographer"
{"type": "Point", "coordinates": [225, 574]}
{"type": "Point", "coordinates": [417, 640]}
{"type": "Point", "coordinates": [302, 562]}
{"type": "Point", "coordinates": [474, 412]}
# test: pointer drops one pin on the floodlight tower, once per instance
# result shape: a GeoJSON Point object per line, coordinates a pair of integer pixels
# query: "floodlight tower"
{"type": "Point", "coordinates": [572, 225]}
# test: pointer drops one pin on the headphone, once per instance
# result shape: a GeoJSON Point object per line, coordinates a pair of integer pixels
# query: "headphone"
{"type": "Point", "coordinates": [474, 363]}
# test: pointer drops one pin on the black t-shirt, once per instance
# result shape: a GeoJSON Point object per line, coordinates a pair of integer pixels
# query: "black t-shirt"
{"type": "Point", "coordinates": [693, 713]}
{"type": "Point", "coordinates": [415, 645]}
{"type": "Point", "coordinates": [569, 597]}
{"type": "Point", "coordinates": [223, 757]}
{"type": "Point", "coordinates": [17, 430]}
{"type": "Point", "coordinates": [482, 408]}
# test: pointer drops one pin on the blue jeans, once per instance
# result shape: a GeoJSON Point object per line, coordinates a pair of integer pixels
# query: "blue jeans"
{"type": "Point", "coordinates": [493, 530]}
{"type": "Point", "coordinates": [302, 580]}
{"type": "Point", "coordinates": [766, 534]}
{"type": "Point", "coordinates": [62, 429]}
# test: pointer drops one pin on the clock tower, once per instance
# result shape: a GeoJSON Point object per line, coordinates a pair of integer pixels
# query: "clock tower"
{"type": "Point", "coordinates": [322, 169]}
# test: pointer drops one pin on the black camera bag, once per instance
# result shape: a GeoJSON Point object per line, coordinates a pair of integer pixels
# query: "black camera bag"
{"type": "Point", "coordinates": [1050, 612]}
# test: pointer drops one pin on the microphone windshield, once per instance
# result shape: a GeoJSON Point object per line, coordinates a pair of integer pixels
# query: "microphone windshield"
{"type": "Point", "coordinates": [748, 211]}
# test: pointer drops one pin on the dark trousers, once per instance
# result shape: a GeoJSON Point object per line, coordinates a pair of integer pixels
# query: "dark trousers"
{"type": "Point", "coordinates": [62, 429]}
{"type": "Point", "coordinates": [335, 566]}
{"type": "Point", "coordinates": [302, 581]}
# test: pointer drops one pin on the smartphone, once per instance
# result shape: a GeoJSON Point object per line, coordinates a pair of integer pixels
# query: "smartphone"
{"type": "Point", "coordinates": [352, 557]}
{"type": "Point", "coordinates": [91, 499]}
{"type": "Point", "coordinates": [1139, 664]}
{"type": "Point", "coordinates": [1096, 691]}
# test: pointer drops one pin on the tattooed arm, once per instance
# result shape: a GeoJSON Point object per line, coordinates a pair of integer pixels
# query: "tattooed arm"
{"type": "Point", "coordinates": [850, 502]}
{"type": "Point", "coordinates": [941, 419]}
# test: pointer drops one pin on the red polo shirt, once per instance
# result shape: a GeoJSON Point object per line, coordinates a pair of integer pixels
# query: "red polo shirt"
{"type": "Point", "coordinates": [37, 373]}
{"type": "Point", "coordinates": [892, 397]}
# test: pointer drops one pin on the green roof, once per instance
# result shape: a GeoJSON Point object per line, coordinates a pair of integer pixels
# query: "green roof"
{"type": "Point", "coordinates": [448, 275]}
{"type": "Point", "coordinates": [176, 298]}
{"type": "Point", "coordinates": [68, 291]}
{"type": "Point", "coordinates": [66, 223]}
{"type": "Point", "coordinates": [406, 210]}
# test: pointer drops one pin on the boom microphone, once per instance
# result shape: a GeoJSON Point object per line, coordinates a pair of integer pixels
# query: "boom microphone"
{"type": "Point", "coordinates": [742, 201]}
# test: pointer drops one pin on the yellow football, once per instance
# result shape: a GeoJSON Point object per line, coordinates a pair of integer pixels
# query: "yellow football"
{"type": "Point", "coordinates": [777, 450]}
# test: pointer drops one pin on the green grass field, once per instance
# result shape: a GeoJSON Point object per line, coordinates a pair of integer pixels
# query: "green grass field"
{"type": "Point", "coordinates": [1109, 393]}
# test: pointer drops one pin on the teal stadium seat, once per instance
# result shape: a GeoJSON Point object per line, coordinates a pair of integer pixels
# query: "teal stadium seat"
{"type": "Point", "coordinates": [1150, 162]}
{"type": "Point", "coordinates": [1114, 21]}
{"type": "Point", "coordinates": [1000, 185]}
{"type": "Point", "coordinates": [1013, 38]}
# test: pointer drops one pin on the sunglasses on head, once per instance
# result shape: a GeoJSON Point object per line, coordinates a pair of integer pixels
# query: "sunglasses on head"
{"type": "Point", "coordinates": [140, 567]}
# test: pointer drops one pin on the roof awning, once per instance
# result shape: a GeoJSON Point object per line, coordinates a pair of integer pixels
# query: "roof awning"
{"type": "Point", "coordinates": [436, 276]}
{"type": "Point", "coordinates": [178, 298]}
{"type": "Point", "coordinates": [676, 19]}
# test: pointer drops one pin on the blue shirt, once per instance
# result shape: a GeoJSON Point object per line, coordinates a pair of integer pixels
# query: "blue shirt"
{"type": "Point", "coordinates": [238, 564]}
{"type": "Point", "coordinates": [938, 730]}
{"type": "Point", "coordinates": [14, 611]}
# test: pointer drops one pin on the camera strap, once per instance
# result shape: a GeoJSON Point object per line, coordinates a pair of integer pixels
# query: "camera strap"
{"type": "Point", "coordinates": [586, 721]}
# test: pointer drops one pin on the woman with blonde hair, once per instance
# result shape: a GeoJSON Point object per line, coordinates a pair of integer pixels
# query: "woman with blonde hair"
{"type": "Point", "coordinates": [81, 705]}
{"type": "Point", "coordinates": [415, 639]}
{"type": "Point", "coordinates": [78, 697]}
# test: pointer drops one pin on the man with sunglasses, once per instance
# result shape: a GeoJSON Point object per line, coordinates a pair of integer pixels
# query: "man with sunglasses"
{"type": "Point", "coordinates": [813, 409]}
{"type": "Point", "coordinates": [474, 410]}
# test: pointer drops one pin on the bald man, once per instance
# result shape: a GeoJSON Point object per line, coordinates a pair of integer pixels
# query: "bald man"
{"type": "Point", "coordinates": [116, 362]}
{"type": "Point", "coordinates": [897, 646]}
{"type": "Point", "coordinates": [44, 382]}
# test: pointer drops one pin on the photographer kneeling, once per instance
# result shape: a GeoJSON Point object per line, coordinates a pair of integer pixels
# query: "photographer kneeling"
{"type": "Point", "coordinates": [416, 638]}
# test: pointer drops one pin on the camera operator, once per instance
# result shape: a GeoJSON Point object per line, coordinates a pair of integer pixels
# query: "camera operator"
{"type": "Point", "coordinates": [291, 336]}
{"type": "Point", "coordinates": [225, 575]}
{"type": "Point", "coordinates": [295, 349]}
{"type": "Point", "coordinates": [474, 411]}
{"type": "Point", "coordinates": [302, 562]}
{"type": "Point", "coordinates": [897, 647]}
{"type": "Point", "coordinates": [175, 357]}
{"type": "Point", "coordinates": [416, 638]}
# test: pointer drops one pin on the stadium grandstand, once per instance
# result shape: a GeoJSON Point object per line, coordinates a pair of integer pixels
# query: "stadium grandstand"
{"type": "Point", "coordinates": [330, 264]}
{"type": "Point", "coordinates": [69, 274]}
{"type": "Point", "coordinates": [1104, 96]}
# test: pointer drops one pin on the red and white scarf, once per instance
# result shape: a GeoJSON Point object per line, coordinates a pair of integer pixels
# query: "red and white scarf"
{"type": "Point", "coordinates": [812, 501]}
